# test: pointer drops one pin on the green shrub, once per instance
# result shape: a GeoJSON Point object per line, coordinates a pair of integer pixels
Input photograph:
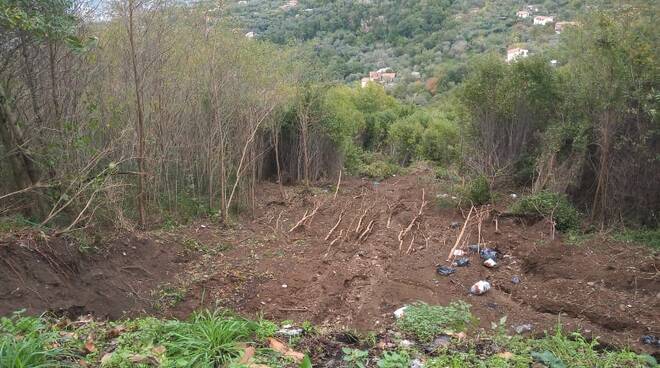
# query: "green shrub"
{"type": "Point", "coordinates": [355, 358]}
{"type": "Point", "coordinates": [548, 204]}
{"type": "Point", "coordinates": [27, 342]}
{"type": "Point", "coordinates": [392, 359]}
{"type": "Point", "coordinates": [650, 237]}
{"type": "Point", "coordinates": [477, 191]}
{"type": "Point", "coordinates": [425, 322]}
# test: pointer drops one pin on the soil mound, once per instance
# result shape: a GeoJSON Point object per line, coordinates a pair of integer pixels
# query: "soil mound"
{"type": "Point", "coordinates": [56, 276]}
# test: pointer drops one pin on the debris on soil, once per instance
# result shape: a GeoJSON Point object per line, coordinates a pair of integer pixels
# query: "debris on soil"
{"type": "Point", "coordinates": [487, 253]}
{"type": "Point", "coordinates": [523, 328]}
{"type": "Point", "coordinates": [416, 363]}
{"type": "Point", "coordinates": [490, 263]}
{"type": "Point", "coordinates": [406, 344]}
{"type": "Point", "coordinates": [289, 330]}
{"type": "Point", "coordinates": [515, 280]}
{"type": "Point", "coordinates": [400, 312]}
{"type": "Point", "coordinates": [285, 350]}
{"type": "Point", "coordinates": [444, 270]}
{"type": "Point", "coordinates": [458, 253]}
{"type": "Point", "coordinates": [473, 248]}
{"type": "Point", "coordinates": [455, 225]}
{"type": "Point", "coordinates": [480, 287]}
{"type": "Point", "coordinates": [650, 340]}
{"type": "Point", "coordinates": [462, 262]}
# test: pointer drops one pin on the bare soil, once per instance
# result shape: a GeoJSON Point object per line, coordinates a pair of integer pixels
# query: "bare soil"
{"type": "Point", "coordinates": [259, 266]}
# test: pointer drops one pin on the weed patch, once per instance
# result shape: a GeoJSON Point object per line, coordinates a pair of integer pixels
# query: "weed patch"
{"type": "Point", "coordinates": [425, 322]}
{"type": "Point", "coordinates": [550, 204]}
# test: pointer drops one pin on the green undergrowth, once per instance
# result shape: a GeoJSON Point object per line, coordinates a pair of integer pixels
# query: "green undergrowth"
{"type": "Point", "coordinates": [220, 339]}
{"type": "Point", "coordinates": [424, 321]}
{"type": "Point", "coordinates": [649, 237]}
{"type": "Point", "coordinates": [549, 204]}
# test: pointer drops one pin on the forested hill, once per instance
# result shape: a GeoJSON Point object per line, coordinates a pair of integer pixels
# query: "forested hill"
{"type": "Point", "coordinates": [432, 38]}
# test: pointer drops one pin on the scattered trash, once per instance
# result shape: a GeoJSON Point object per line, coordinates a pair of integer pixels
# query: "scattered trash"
{"type": "Point", "coordinates": [406, 344]}
{"type": "Point", "coordinates": [400, 312]}
{"type": "Point", "coordinates": [443, 195]}
{"type": "Point", "coordinates": [416, 363]}
{"type": "Point", "coordinates": [439, 342]}
{"type": "Point", "coordinates": [650, 340]}
{"type": "Point", "coordinates": [458, 253]}
{"type": "Point", "coordinates": [515, 280]}
{"type": "Point", "coordinates": [523, 328]}
{"type": "Point", "coordinates": [285, 286]}
{"type": "Point", "coordinates": [462, 262]}
{"type": "Point", "coordinates": [479, 288]}
{"type": "Point", "coordinates": [474, 248]}
{"type": "Point", "coordinates": [490, 263]}
{"type": "Point", "coordinates": [288, 330]}
{"type": "Point", "coordinates": [444, 270]}
{"type": "Point", "coordinates": [514, 195]}
{"type": "Point", "coordinates": [455, 225]}
{"type": "Point", "coordinates": [487, 253]}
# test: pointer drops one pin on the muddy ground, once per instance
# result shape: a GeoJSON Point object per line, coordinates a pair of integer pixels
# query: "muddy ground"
{"type": "Point", "coordinates": [345, 278]}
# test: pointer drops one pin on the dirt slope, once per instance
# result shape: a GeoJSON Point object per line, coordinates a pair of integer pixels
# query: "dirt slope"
{"type": "Point", "coordinates": [261, 266]}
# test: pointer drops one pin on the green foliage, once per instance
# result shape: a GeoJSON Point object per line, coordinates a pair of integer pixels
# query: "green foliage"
{"type": "Point", "coordinates": [477, 191]}
{"type": "Point", "coordinates": [355, 358]}
{"type": "Point", "coordinates": [550, 204]}
{"type": "Point", "coordinates": [26, 342]}
{"type": "Point", "coordinates": [393, 359]}
{"type": "Point", "coordinates": [425, 322]}
{"type": "Point", "coordinates": [650, 237]}
{"type": "Point", "coordinates": [377, 167]}
{"type": "Point", "coordinates": [423, 136]}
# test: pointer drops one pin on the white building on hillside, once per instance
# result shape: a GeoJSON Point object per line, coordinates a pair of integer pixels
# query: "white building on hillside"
{"type": "Point", "coordinates": [515, 54]}
{"type": "Point", "coordinates": [522, 14]}
{"type": "Point", "coordinates": [541, 20]}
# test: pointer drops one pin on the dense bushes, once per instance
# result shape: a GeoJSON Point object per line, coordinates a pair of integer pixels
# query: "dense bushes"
{"type": "Point", "coordinates": [552, 205]}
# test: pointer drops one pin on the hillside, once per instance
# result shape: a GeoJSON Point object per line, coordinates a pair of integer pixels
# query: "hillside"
{"type": "Point", "coordinates": [434, 39]}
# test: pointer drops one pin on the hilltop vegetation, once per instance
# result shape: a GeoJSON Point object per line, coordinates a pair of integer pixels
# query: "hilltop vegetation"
{"type": "Point", "coordinates": [433, 38]}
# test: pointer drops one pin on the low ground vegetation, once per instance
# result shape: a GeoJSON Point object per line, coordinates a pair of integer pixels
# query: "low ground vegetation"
{"type": "Point", "coordinates": [213, 339]}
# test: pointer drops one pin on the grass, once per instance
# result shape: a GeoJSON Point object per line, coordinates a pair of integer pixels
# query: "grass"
{"type": "Point", "coordinates": [650, 237]}
{"type": "Point", "coordinates": [218, 339]}
{"type": "Point", "coordinates": [425, 322]}
{"type": "Point", "coordinates": [26, 342]}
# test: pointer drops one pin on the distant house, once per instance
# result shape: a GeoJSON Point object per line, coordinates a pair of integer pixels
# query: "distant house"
{"type": "Point", "coordinates": [250, 34]}
{"type": "Point", "coordinates": [560, 26]}
{"type": "Point", "coordinates": [522, 14]}
{"type": "Point", "coordinates": [515, 54]}
{"type": "Point", "coordinates": [542, 20]}
{"type": "Point", "coordinates": [382, 76]}
{"type": "Point", "coordinates": [364, 82]}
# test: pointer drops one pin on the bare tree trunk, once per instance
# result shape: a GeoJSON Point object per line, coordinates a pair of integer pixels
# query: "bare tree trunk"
{"type": "Point", "coordinates": [140, 118]}
{"type": "Point", "coordinates": [24, 170]}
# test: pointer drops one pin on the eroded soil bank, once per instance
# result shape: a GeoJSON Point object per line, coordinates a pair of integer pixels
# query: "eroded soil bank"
{"type": "Point", "coordinates": [344, 278]}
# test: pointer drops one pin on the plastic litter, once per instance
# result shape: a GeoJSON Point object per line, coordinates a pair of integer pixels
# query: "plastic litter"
{"type": "Point", "coordinates": [523, 328]}
{"type": "Point", "coordinates": [462, 262]}
{"type": "Point", "coordinates": [406, 343]}
{"type": "Point", "coordinates": [487, 253]}
{"type": "Point", "coordinates": [288, 330]}
{"type": "Point", "coordinates": [650, 340]}
{"type": "Point", "coordinates": [480, 287]}
{"type": "Point", "coordinates": [455, 225]}
{"type": "Point", "coordinates": [515, 280]}
{"type": "Point", "coordinates": [416, 363]}
{"type": "Point", "coordinates": [444, 270]}
{"type": "Point", "coordinates": [490, 263]}
{"type": "Point", "coordinates": [474, 248]}
{"type": "Point", "coordinates": [400, 312]}
{"type": "Point", "coordinates": [458, 252]}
